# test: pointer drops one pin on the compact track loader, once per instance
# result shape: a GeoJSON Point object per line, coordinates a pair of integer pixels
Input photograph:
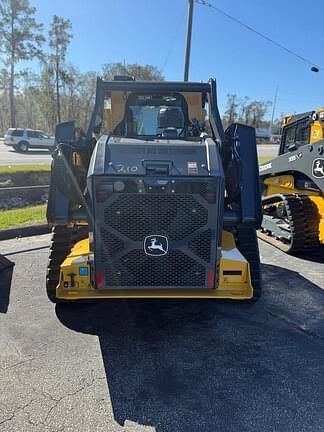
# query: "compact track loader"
{"type": "Point", "coordinates": [155, 200]}
{"type": "Point", "coordinates": [293, 186]}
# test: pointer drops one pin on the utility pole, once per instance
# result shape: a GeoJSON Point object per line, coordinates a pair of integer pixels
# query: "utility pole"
{"type": "Point", "coordinates": [273, 108]}
{"type": "Point", "coordinates": [188, 45]}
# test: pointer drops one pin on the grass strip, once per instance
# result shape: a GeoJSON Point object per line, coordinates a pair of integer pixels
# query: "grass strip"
{"type": "Point", "coordinates": [18, 168]}
{"type": "Point", "coordinates": [23, 216]}
{"type": "Point", "coordinates": [263, 159]}
{"type": "Point", "coordinates": [7, 169]}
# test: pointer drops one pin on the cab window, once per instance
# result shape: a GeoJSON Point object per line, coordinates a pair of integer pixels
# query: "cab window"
{"type": "Point", "coordinates": [154, 115]}
{"type": "Point", "coordinates": [298, 134]}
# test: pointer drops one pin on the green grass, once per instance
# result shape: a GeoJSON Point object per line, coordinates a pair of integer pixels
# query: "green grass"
{"type": "Point", "coordinates": [23, 216]}
{"type": "Point", "coordinates": [263, 159]}
{"type": "Point", "coordinates": [7, 169]}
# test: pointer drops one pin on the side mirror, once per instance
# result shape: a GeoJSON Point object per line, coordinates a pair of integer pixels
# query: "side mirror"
{"type": "Point", "coordinates": [292, 147]}
{"type": "Point", "coordinates": [97, 129]}
{"type": "Point", "coordinates": [97, 125]}
{"type": "Point", "coordinates": [64, 132]}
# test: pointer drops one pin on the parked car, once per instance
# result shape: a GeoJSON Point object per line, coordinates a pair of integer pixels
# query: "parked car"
{"type": "Point", "coordinates": [23, 139]}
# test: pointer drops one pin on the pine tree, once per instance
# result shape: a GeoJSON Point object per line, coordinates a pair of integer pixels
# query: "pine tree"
{"type": "Point", "coordinates": [59, 38]}
{"type": "Point", "coordinates": [20, 39]}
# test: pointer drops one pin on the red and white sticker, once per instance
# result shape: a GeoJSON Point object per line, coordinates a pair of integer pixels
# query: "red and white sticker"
{"type": "Point", "coordinates": [192, 168]}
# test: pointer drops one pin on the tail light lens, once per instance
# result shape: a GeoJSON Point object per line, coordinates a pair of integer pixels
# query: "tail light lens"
{"type": "Point", "coordinates": [211, 279]}
{"type": "Point", "coordinates": [103, 192]}
{"type": "Point", "coordinates": [99, 278]}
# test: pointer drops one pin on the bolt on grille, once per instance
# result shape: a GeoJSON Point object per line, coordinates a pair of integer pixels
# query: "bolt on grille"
{"type": "Point", "coordinates": [110, 244]}
{"type": "Point", "coordinates": [137, 269]}
{"type": "Point", "coordinates": [135, 216]}
{"type": "Point", "coordinates": [201, 245]}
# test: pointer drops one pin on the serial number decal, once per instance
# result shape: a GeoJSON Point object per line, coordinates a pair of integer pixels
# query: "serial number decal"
{"type": "Point", "coordinates": [121, 168]}
{"type": "Point", "coordinates": [265, 167]}
{"type": "Point", "coordinates": [295, 157]}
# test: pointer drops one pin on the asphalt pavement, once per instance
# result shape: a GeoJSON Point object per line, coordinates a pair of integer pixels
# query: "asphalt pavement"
{"type": "Point", "coordinates": [8, 156]}
{"type": "Point", "coordinates": [162, 366]}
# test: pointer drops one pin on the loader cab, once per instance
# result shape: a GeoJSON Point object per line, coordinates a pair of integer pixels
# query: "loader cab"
{"type": "Point", "coordinates": [155, 115]}
{"type": "Point", "coordinates": [299, 130]}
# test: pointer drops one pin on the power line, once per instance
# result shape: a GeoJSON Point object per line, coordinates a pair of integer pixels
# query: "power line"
{"type": "Point", "coordinates": [267, 38]}
{"type": "Point", "coordinates": [176, 33]}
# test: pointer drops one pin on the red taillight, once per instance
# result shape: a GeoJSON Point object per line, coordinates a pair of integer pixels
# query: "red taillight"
{"type": "Point", "coordinates": [102, 195]}
{"type": "Point", "coordinates": [211, 279]}
{"type": "Point", "coordinates": [99, 277]}
{"type": "Point", "coordinates": [210, 197]}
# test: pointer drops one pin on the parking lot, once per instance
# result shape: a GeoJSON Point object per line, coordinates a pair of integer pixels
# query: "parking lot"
{"type": "Point", "coordinates": [8, 156]}
{"type": "Point", "coordinates": [162, 366]}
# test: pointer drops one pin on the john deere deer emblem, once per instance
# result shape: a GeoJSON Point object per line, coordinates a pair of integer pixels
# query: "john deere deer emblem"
{"type": "Point", "coordinates": [156, 245]}
{"type": "Point", "coordinates": [318, 168]}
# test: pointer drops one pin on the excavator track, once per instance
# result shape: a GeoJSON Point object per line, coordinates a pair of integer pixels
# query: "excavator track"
{"type": "Point", "coordinates": [297, 230]}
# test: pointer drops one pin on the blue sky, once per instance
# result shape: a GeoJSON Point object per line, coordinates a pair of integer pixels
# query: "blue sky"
{"type": "Point", "coordinates": [146, 31]}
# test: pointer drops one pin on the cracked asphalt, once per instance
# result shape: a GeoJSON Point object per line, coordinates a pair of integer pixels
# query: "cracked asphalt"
{"type": "Point", "coordinates": [162, 366]}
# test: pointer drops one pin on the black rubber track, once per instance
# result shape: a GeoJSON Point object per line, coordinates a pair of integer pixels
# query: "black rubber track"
{"type": "Point", "coordinates": [63, 239]}
{"type": "Point", "coordinates": [302, 217]}
{"type": "Point", "coordinates": [247, 244]}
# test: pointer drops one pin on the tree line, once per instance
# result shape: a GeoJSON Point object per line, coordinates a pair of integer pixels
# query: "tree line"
{"type": "Point", "coordinates": [250, 112]}
{"type": "Point", "coordinates": [60, 91]}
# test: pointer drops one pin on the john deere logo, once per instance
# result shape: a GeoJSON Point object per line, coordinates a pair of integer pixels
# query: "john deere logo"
{"type": "Point", "coordinates": [318, 168]}
{"type": "Point", "coordinates": [156, 245]}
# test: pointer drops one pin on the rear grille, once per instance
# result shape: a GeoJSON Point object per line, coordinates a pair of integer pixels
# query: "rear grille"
{"type": "Point", "coordinates": [186, 215]}
{"type": "Point", "coordinates": [201, 245]}
{"type": "Point", "coordinates": [137, 269]}
{"type": "Point", "coordinates": [135, 216]}
{"type": "Point", "coordinates": [110, 243]}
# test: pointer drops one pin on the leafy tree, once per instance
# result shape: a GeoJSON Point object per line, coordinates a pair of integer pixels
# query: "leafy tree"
{"type": "Point", "coordinates": [255, 112]}
{"type": "Point", "coordinates": [20, 39]}
{"type": "Point", "coordinates": [59, 38]}
{"type": "Point", "coordinates": [79, 94]}
{"type": "Point", "coordinates": [231, 112]}
{"type": "Point", "coordinates": [27, 105]}
{"type": "Point", "coordinates": [87, 97]}
{"type": "Point", "coordinates": [245, 111]}
{"type": "Point", "coordinates": [146, 72]}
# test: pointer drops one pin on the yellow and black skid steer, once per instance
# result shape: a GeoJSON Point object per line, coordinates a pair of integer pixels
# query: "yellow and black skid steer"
{"type": "Point", "coordinates": [155, 200]}
{"type": "Point", "coordinates": [293, 186]}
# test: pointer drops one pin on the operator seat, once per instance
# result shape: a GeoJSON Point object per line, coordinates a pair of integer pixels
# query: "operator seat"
{"type": "Point", "coordinates": [170, 119]}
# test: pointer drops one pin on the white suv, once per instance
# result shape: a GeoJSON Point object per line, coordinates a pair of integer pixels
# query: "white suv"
{"type": "Point", "coordinates": [23, 139]}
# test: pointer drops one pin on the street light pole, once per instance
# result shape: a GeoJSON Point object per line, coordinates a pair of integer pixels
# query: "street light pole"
{"type": "Point", "coordinates": [188, 45]}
